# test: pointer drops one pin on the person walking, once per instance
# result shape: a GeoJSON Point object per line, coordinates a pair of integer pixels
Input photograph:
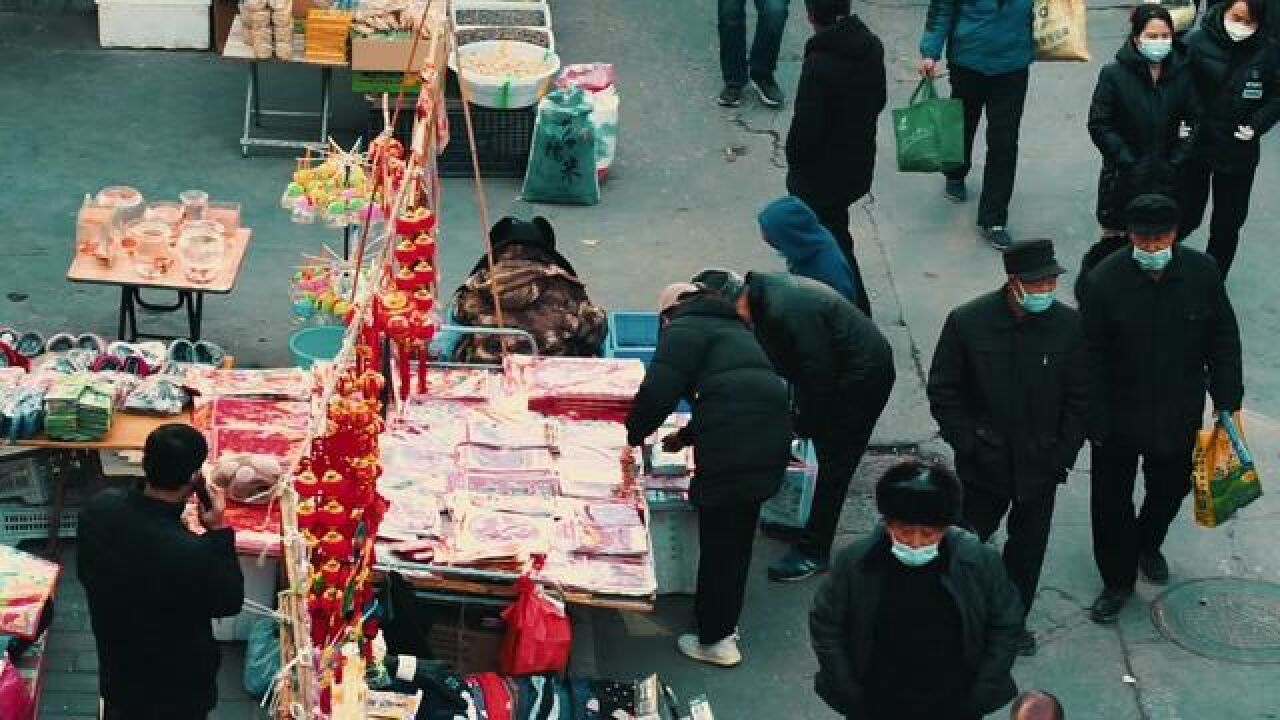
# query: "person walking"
{"type": "Point", "coordinates": [989, 51]}
{"type": "Point", "coordinates": [1160, 330]}
{"type": "Point", "coordinates": [831, 146]}
{"type": "Point", "coordinates": [918, 620]}
{"type": "Point", "coordinates": [737, 69]}
{"type": "Point", "coordinates": [1009, 388]}
{"type": "Point", "coordinates": [153, 586]}
{"type": "Point", "coordinates": [1142, 118]}
{"type": "Point", "coordinates": [1236, 70]}
{"type": "Point", "coordinates": [740, 431]}
{"type": "Point", "coordinates": [841, 372]}
{"type": "Point", "coordinates": [789, 226]}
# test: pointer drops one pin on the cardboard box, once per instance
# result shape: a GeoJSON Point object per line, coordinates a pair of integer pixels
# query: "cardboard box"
{"type": "Point", "coordinates": [388, 53]}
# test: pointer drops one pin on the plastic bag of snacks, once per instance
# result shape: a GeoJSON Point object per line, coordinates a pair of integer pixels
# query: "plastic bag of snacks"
{"type": "Point", "coordinates": [562, 158]}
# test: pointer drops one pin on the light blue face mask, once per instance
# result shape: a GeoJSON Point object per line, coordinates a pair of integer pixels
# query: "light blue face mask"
{"type": "Point", "coordinates": [1034, 302]}
{"type": "Point", "coordinates": [1152, 261]}
{"type": "Point", "coordinates": [1155, 50]}
{"type": "Point", "coordinates": [914, 556]}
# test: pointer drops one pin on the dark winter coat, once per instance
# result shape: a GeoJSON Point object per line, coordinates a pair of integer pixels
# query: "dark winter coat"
{"type": "Point", "coordinates": [834, 356]}
{"type": "Point", "coordinates": [790, 227]}
{"type": "Point", "coordinates": [831, 147]}
{"type": "Point", "coordinates": [841, 623]}
{"type": "Point", "coordinates": [1011, 395]}
{"type": "Point", "coordinates": [1239, 84]}
{"type": "Point", "coordinates": [991, 37]}
{"type": "Point", "coordinates": [741, 425]}
{"type": "Point", "coordinates": [1135, 123]}
{"type": "Point", "coordinates": [153, 588]}
{"type": "Point", "coordinates": [1154, 347]}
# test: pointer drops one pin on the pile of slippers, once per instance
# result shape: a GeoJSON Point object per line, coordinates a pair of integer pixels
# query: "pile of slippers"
{"type": "Point", "coordinates": [90, 352]}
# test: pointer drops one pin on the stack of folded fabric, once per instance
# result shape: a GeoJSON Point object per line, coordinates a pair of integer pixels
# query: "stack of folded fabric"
{"type": "Point", "coordinates": [594, 388]}
{"type": "Point", "coordinates": [95, 410]}
{"type": "Point", "coordinates": [78, 408]}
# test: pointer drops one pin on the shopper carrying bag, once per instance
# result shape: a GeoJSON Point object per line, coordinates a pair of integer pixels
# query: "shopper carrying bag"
{"type": "Point", "coordinates": [929, 131]}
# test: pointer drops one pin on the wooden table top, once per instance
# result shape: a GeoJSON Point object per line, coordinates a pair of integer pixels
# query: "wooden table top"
{"type": "Point", "coordinates": [87, 269]}
{"type": "Point", "coordinates": [238, 48]}
{"type": "Point", "coordinates": [128, 432]}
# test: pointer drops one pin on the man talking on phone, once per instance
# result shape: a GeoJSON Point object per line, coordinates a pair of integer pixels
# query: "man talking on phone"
{"type": "Point", "coordinates": [153, 585]}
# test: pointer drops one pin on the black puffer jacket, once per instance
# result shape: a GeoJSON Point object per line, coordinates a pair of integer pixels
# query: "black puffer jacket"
{"type": "Point", "coordinates": [1011, 395]}
{"type": "Point", "coordinates": [741, 428]}
{"type": "Point", "coordinates": [1134, 122]}
{"type": "Point", "coordinates": [842, 621]}
{"type": "Point", "coordinates": [1239, 84]}
{"type": "Point", "coordinates": [1154, 347]}
{"type": "Point", "coordinates": [831, 147]}
{"type": "Point", "coordinates": [832, 354]}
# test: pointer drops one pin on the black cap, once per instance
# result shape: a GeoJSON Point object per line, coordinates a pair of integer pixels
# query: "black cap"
{"type": "Point", "coordinates": [920, 493]}
{"type": "Point", "coordinates": [1032, 260]}
{"type": "Point", "coordinates": [725, 283]}
{"type": "Point", "coordinates": [1151, 214]}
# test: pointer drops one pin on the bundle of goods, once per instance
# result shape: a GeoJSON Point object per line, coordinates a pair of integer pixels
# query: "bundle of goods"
{"type": "Point", "coordinates": [192, 232]}
{"type": "Point", "coordinates": [390, 18]}
{"type": "Point", "coordinates": [22, 403]}
{"type": "Point", "coordinates": [269, 27]}
{"type": "Point", "coordinates": [597, 82]}
{"type": "Point", "coordinates": [562, 158]}
{"type": "Point", "coordinates": [78, 408]}
{"type": "Point", "coordinates": [509, 484]}
{"type": "Point", "coordinates": [319, 290]}
{"type": "Point", "coordinates": [326, 35]}
{"type": "Point", "coordinates": [580, 387]}
{"type": "Point", "coordinates": [26, 584]}
{"type": "Point", "coordinates": [333, 189]}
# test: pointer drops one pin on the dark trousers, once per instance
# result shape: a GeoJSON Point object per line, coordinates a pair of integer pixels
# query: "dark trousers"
{"type": "Point", "coordinates": [771, 20]}
{"type": "Point", "coordinates": [1120, 534]}
{"type": "Point", "coordinates": [835, 218]}
{"type": "Point", "coordinates": [1028, 526]}
{"type": "Point", "coordinates": [839, 450]}
{"type": "Point", "coordinates": [725, 533]}
{"type": "Point", "coordinates": [1002, 97]}
{"type": "Point", "coordinates": [1230, 208]}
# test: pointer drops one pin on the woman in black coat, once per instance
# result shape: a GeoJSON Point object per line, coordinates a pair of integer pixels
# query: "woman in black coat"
{"type": "Point", "coordinates": [1142, 119]}
{"type": "Point", "coordinates": [1236, 68]}
{"type": "Point", "coordinates": [741, 437]}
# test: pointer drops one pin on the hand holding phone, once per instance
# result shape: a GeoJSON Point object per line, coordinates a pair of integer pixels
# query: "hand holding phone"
{"type": "Point", "coordinates": [213, 504]}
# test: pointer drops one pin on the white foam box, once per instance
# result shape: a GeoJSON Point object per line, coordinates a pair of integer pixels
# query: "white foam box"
{"type": "Point", "coordinates": [260, 586]}
{"type": "Point", "coordinates": [674, 530]}
{"type": "Point", "coordinates": [168, 24]}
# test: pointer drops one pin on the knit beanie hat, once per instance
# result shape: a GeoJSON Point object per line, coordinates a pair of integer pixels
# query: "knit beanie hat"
{"type": "Point", "coordinates": [725, 283]}
{"type": "Point", "coordinates": [920, 493]}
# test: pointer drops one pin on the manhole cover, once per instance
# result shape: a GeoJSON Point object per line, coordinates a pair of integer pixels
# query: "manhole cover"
{"type": "Point", "coordinates": [1231, 619]}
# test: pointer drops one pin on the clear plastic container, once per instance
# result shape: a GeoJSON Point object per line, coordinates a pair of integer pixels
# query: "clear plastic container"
{"type": "Point", "coordinates": [226, 214]}
{"type": "Point", "coordinates": [167, 212]}
{"type": "Point", "coordinates": [202, 248]}
{"type": "Point", "coordinates": [194, 204]}
{"type": "Point", "coordinates": [127, 200]}
{"type": "Point", "coordinates": [152, 255]}
{"type": "Point", "coordinates": [95, 224]}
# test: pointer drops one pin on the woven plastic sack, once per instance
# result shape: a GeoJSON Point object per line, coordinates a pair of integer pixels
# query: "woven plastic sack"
{"type": "Point", "coordinates": [1224, 478]}
{"type": "Point", "coordinates": [929, 131]}
{"type": "Point", "coordinates": [562, 157]}
{"type": "Point", "coordinates": [1060, 30]}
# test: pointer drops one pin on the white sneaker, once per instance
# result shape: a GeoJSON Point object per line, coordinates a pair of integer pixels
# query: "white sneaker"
{"type": "Point", "coordinates": [724, 653]}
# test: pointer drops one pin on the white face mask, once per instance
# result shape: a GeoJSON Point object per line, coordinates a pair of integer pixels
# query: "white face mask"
{"type": "Point", "coordinates": [1238, 31]}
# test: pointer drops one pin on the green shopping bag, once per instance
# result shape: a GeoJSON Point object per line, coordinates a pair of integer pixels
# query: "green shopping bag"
{"type": "Point", "coordinates": [929, 131]}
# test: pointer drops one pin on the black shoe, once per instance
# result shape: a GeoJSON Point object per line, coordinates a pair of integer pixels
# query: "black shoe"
{"type": "Point", "coordinates": [955, 191]}
{"type": "Point", "coordinates": [998, 236]}
{"type": "Point", "coordinates": [796, 566]}
{"type": "Point", "coordinates": [730, 96]}
{"type": "Point", "coordinates": [770, 94]}
{"type": "Point", "coordinates": [1107, 607]}
{"type": "Point", "coordinates": [1154, 567]}
{"type": "Point", "coordinates": [1027, 644]}
{"type": "Point", "coordinates": [778, 531]}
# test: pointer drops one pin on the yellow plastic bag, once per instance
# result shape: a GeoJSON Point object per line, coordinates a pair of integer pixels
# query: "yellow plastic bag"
{"type": "Point", "coordinates": [1224, 478]}
{"type": "Point", "coordinates": [1060, 30]}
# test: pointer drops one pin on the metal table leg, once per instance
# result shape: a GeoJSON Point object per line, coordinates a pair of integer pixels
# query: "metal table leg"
{"type": "Point", "coordinates": [251, 92]}
{"type": "Point", "coordinates": [195, 313]}
{"type": "Point", "coordinates": [124, 312]}
{"type": "Point", "coordinates": [257, 101]}
{"type": "Point", "coordinates": [326, 87]}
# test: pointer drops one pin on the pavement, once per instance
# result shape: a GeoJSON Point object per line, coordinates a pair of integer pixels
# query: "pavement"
{"type": "Point", "coordinates": [683, 195]}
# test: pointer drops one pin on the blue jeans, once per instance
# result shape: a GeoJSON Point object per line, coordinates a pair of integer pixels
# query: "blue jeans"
{"type": "Point", "coordinates": [771, 20]}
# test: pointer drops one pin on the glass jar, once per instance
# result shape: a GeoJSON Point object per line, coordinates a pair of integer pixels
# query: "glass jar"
{"type": "Point", "coordinates": [194, 204]}
{"type": "Point", "coordinates": [95, 224]}
{"type": "Point", "coordinates": [152, 254]}
{"type": "Point", "coordinates": [202, 247]}
{"type": "Point", "coordinates": [167, 212]}
{"type": "Point", "coordinates": [125, 199]}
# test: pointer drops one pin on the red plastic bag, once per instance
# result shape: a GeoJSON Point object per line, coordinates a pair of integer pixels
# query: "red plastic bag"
{"type": "Point", "coordinates": [592, 77]}
{"type": "Point", "coordinates": [538, 633]}
{"type": "Point", "coordinates": [15, 694]}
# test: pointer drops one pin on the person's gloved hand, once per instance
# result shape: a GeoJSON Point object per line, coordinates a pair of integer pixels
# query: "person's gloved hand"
{"type": "Point", "coordinates": [1244, 133]}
